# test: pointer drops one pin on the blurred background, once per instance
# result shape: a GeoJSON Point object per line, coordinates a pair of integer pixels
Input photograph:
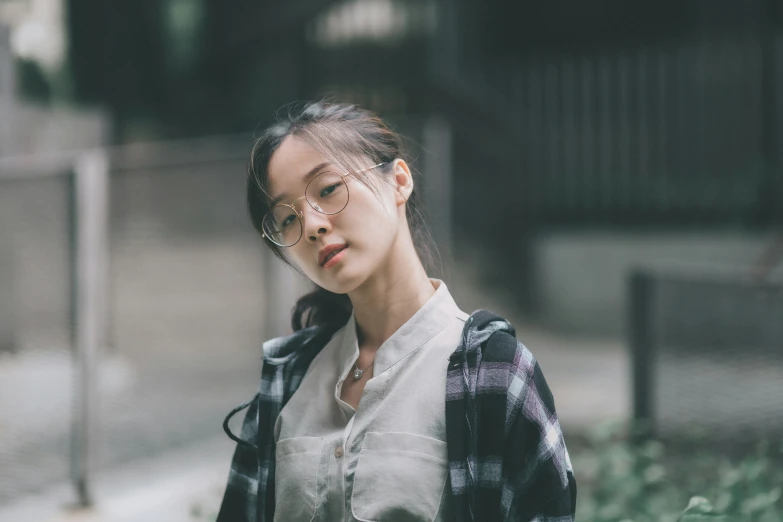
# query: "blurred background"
{"type": "Point", "coordinates": [606, 175]}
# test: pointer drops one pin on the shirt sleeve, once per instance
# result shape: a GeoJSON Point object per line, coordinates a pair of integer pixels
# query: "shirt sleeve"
{"type": "Point", "coordinates": [539, 483]}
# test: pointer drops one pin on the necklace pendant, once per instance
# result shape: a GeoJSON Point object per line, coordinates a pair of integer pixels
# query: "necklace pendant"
{"type": "Point", "coordinates": [358, 374]}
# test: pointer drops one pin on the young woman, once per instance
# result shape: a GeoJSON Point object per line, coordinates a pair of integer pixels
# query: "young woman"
{"type": "Point", "coordinates": [388, 402]}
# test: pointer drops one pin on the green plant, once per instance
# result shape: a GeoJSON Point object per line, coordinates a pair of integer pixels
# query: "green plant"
{"type": "Point", "coordinates": [625, 481]}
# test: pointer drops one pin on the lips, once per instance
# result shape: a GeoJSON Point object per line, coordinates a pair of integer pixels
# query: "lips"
{"type": "Point", "coordinates": [330, 250]}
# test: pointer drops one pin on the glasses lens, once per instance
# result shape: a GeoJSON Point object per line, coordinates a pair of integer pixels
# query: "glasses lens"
{"type": "Point", "coordinates": [282, 225]}
{"type": "Point", "coordinates": [327, 193]}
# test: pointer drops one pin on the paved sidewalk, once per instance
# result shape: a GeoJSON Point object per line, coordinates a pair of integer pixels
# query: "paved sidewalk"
{"type": "Point", "coordinates": [183, 485]}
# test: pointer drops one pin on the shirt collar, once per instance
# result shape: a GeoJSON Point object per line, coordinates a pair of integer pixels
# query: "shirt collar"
{"type": "Point", "coordinates": [429, 320]}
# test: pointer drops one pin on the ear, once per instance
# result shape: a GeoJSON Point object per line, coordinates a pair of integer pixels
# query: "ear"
{"type": "Point", "coordinates": [403, 181]}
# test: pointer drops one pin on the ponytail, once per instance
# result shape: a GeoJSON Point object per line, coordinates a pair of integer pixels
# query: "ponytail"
{"type": "Point", "coordinates": [321, 307]}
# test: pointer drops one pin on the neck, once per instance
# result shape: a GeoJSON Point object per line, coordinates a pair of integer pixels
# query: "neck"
{"type": "Point", "coordinates": [391, 296]}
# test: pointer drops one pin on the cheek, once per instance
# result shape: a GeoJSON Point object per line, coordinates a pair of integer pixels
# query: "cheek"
{"type": "Point", "coordinates": [367, 232]}
{"type": "Point", "coordinates": [370, 215]}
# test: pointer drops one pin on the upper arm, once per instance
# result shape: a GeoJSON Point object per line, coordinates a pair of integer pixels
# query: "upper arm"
{"type": "Point", "coordinates": [538, 477]}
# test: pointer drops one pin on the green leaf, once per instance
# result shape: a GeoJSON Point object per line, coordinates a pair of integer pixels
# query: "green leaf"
{"type": "Point", "coordinates": [700, 509]}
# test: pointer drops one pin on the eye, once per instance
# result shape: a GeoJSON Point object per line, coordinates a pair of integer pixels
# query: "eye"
{"type": "Point", "coordinates": [287, 221]}
{"type": "Point", "coordinates": [328, 190]}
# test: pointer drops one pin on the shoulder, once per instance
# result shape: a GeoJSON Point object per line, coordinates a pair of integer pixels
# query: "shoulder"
{"type": "Point", "coordinates": [527, 392]}
{"type": "Point", "coordinates": [506, 357]}
{"type": "Point", "coordinates": [495, 336]}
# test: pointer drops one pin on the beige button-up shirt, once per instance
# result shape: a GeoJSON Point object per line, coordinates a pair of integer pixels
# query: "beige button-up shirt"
{"type": "Point", "coordinates": [387, 459]}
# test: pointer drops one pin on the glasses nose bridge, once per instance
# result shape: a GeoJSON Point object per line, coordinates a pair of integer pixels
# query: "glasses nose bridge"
{"type": "Point", "coordinates": [293, 205]}
{"type": "Point", "coordinates": [311, 218]}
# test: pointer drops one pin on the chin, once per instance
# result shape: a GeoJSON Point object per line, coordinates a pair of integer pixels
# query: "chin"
{"type": "Point", "coordinates": [340, 282]}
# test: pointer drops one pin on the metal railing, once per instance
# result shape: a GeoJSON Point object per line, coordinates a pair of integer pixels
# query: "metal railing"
{"type": "Point", "coordinates": [113, 229]}
{"type": "Point", "coordinates": [87, 174]}
{"type": "Point", "coordinates": [707, 355]}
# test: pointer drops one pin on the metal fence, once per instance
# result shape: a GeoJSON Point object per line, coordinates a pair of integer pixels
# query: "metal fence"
{"type": "Point", "coordinates": [707, 355]}
{"type": "Point", "coordinates": [36, 366]}
{"type": "Point", "coordinates": [134, 302]}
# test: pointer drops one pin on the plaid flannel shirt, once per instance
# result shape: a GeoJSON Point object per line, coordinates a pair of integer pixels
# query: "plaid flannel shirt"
{"type": "Point", "coordinates": [507, 456]}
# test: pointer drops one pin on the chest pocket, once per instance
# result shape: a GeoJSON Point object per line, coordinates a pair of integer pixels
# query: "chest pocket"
{"type": "Point", "coordinates": [399, 477]}
{"type": "Point", "coordinates": [296, 478]}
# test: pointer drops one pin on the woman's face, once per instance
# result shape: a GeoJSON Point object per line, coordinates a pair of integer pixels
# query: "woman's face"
{"type": "Point", "coordinates": [368, 225]}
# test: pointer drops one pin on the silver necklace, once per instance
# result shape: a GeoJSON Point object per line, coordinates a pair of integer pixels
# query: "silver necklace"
{"type": "Point", "coordinates": [357, 374]}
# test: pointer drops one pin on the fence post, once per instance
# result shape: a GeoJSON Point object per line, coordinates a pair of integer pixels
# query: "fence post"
{"type": "Point", "coordinates": [7, 269]}
{"type": "Point", "coordinates": [89, 211]}
{"type": "Point", "coordinates": [283, 286]}
{"type": "Point", "coordinates": [7, 91]}
{"type": "Point", "coordinates": [277, 290]}
{"type": "Point", "coordinates": [641, 309]}
{"type": "Point", "coordinates": [437, 145]}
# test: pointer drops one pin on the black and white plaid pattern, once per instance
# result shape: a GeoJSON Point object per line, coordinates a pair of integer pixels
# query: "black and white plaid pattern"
{"type": "Point", "coordinates": [508, 459]}
{"type": "Point", "coordinates": [507, 456]}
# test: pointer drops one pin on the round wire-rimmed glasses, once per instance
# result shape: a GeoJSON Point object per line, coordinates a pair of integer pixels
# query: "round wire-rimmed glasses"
{"type": "Point", "coordinates": [326, 193]}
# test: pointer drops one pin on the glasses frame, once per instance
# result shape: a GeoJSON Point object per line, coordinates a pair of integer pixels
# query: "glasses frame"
{"type": "Point", "coordinates": [300, 215]}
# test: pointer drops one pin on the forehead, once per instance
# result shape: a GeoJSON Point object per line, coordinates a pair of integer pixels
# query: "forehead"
{"type": "Point", "coordinates": [290, 162]}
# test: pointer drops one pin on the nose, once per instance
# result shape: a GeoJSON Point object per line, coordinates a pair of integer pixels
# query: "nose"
{"type": "Point", "coordinates": [315, 223]}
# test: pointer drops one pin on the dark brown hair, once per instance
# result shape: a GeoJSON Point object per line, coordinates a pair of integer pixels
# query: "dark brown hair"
{"type": "Point", "coordinates": [343, 133]}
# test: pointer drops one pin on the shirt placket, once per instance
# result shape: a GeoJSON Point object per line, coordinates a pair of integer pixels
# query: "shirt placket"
{"type": "Point", "coordinates": [346, 501]}
{"type": "Point", "coordinates": [336, 490]}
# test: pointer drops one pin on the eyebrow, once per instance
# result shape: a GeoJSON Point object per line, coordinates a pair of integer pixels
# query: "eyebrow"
{"type": "Point", "coordinates": [312, 172]}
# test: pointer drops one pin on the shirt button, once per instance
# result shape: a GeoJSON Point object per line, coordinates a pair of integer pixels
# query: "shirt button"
{"type": "Point", "coordinates": [338, 451]}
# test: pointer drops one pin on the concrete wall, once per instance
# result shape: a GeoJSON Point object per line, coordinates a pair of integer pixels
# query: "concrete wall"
{"type": "Point", "coordinates": [580, 278]}
{"type": "Point", "coordinates": [37, 130]}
